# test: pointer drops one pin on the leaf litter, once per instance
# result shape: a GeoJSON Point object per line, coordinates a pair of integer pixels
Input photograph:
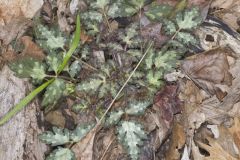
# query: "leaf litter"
{"type": "Point", "coordinates": [152, 118]}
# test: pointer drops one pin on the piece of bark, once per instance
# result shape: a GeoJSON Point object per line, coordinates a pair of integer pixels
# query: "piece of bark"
{"type": "Point", "coordinates": [18, 137]}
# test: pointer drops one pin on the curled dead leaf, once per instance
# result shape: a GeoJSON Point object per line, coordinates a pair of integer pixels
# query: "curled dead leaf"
{"type": "Point", "coordinates": [209, 70]}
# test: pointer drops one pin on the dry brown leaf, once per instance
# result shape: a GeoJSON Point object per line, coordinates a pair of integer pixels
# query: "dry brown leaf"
{"type": "Point", "coordinates": [31, 49]}
{"type": "Point", "coordinates": [166, 104]}
{"type": "Point", "coordinates": [209, 70]}
{"type": "Point", "coordinates": [56, 118]}
{"type": "Point", "coordinates": [230, 12]}
{"type": "Point", "coordinates": [215, 150]}
{"type": "Point", "coordinates": [62, 13]}
{"type": "Point", "coordinates": [12, 9]}
{"type": "Point", "coordinates": [235, 132]}
{"type": "Point", "coordinates": [178, 140]}
{"type": "Point", "coordinates": [14, 17]}
{"type": "Point", "coordinates": [13, 29]}
{"type": "Point", "coordinates": [84, 149]}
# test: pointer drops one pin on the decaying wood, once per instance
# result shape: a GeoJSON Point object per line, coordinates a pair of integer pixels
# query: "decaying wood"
{"type": "Point", "coordinates": [18, 137]}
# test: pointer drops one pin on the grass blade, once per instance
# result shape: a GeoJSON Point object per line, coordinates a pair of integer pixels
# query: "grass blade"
{"type": "Point", "coordinates": [24, 102]}
{"type": "Point", "coordinates": [73, 46]}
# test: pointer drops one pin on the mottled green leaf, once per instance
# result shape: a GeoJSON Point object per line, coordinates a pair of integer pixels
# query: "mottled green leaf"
{"type": "Point", "coordinates": [186, 38]}
{"type": "Point", "coordinates": [54, 61]}
{"type": "Point", "coordinates": [131, 135]}
{"type": "Point", "coordinates": [49, 39]}
{"type": "Point", "coordinates": [154, 78]}
{"type": "Point", "coordinates": [79, 132]}
{"type": "Point", "coordinates": [28, 68]}
{"type": "Point", "coordinates": [54, 92]}
{"type": "Point", "coordinates": [165, 60]}
{"type": "Point", "coordinates": [137, 107]}
{"type": "Point", "coordinates": [75, 68]}
{"type": "Point", "coordinates": [169, 27]}
{"type": "Point", "coordinates": [56, 137]}
{"type": "Point", "coordinates": [114, 117]}
{"type": "Point", "coordinates": [158, 12]}
{"type": "Point", "coordinates": [189, 19]}
{"type": "Point", "coordinates": [61, 154]}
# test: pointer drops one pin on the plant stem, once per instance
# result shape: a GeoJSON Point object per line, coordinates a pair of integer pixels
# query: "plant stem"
{"type": "Point", "coordinates": [119, 92]}
{"type": "Point", "coordinates": [106, 19]}
{"type": "Point", "coordinates": [175, 34]}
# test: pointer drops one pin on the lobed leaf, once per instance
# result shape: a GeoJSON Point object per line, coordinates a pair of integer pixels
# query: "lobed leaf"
{"type": "Point", "coordinates": [61, 154]}
{"type": "Point", "coordinates": [158, 12]}
{"type": "Point", "coordinates": [79, 132]}
{"type": "Point", "coordinates": [137, 107]}
{"type": "Point", "coordinates": [56, 137]}
{"type": "Point", "coordinates": [131, 135]}
{"type": "Point", "coordinates": [188, 19]}
{"type": "Point", "coordinates": [186, 38]}
{"type": "Point", "coordinates": [114, 117]}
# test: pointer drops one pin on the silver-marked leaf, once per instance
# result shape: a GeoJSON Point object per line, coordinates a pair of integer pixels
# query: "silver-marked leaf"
{"type": "Point", "coordinates": [131, 135]}
{"type": "Point", "coordinates": [89, 85]}
{"type": "Point", "coordinates": [54, 61]}
{"type": "Point", "coordinates": [75, 68]}
{"type": "Point", "coordinates": [49, 39]}
{"type": "Point", "coordinates": [57, 137]}
{"type": "Point", "coordinates": [114, 118]}
{"type": "Point", "coordinates": [100, 4]}
{"type": "Point", "coordinates": [28, 68]}
{"type": "Point", "coordinates": [61, 154]}
{"type": "Point", "coordinates": [54, 92]}
{"type": "Point", "coordinates": [79, 132]}
{"type": "Point", "coordinates": [189, 19]}
{"type": "Point", "coordinates": [158, 12]}
{"type": "Point", "coordinates": [186, 38]}
{"type": "Point", "coordinates": [165, 60]}
{"type": "Point", "coordinates": [137, 107]}
{"type": "Point", "coordinates": [155, 78]}
{"type": "Point", "coordinates": [169, 27]}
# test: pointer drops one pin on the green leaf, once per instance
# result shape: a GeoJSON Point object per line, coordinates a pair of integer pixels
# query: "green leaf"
{"type": "Point", "coordinates": [82, 105]}
{"type": "Point", "coordinates": [165, 60]}
{"type": "Point", "coordinates": [54, 92]}
{"type": "Point", "coordinates": [61, 154]}
{"type": "Point", "coordinates": [169, 27]}
{"type": "Point", "coordinates": [49, 39]}
{"type": "Point", "coordinates": [114, 118]}
{"type": "Point", "coordinates": [28, 68]}
{"type": "Point", "coordinates": [73, 46]}
{"type": "Point", "coordinates": [138, 4]}
{"type": "Point", "coordinates": [131, 135]}
{"type": "Point", "coordinates": [189, 19]}
{"type": "Point", "coordinates": [137, 107]}
{"type": "Point", "coordinates": [186, 38]}
{"type": "Point", "coordinates": [149, 59]}
{"type": "Point", "coordinates": [177, 46]}
{"type": "Point", "coordinates": [100, 4]}
{"type": "Point", "coordinates": [54, 61]}
{"type": "Point", "coordinates": [158, 12]}
{"type": "Point", "coordinates": [128, 37]}
{"type": "Point", "coordinates": [57, 137]}
{"type": "Point", "coordinates": [154, 78]}
{"type": "Point", "coordinates": [79, 132]}
{"type": "Point", "coordinates": [90, 85]}
{"type": "Point", "coordinates": [17, 108]}
{"type": "Point", "coordinates": [75, 68]}
{"type": "Point", "coordinates": [121, 9]}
